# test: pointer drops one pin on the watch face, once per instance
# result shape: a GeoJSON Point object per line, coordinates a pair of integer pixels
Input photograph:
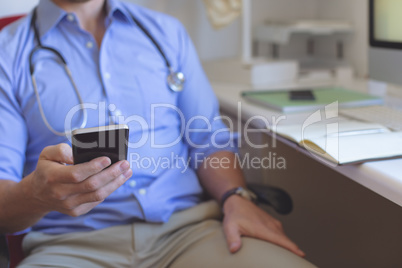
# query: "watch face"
{"type": "Point", "coordinates": [240, 191]}
{"type": "Point", "coordinates": [247, 194]}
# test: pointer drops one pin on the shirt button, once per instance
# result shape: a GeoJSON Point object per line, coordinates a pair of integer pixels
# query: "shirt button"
{"type": "Point", "coordinates": [90, 44]}
{"type": "Point", "coordinates": [117, 113]}
{"type": "Point", "coordinates": [70, 17]}
{"type": "Point", "coordinates": [132, 183]}
{"type": "Point", "coordinates": [143, 192]}
{"type": "Point", "coordinates": [107, 75]}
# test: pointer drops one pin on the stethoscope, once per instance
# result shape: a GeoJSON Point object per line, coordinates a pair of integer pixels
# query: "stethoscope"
{"type": "Point", "coordinates": [175, 79]}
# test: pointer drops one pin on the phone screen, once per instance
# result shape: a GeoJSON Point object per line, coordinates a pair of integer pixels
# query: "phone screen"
{"type": "Point", "coordinates": [96, 142]}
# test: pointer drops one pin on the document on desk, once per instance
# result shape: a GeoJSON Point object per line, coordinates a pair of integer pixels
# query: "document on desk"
{"type": "Point", "coordinates": [280, 101]}
{"type": "Point", "coordinates": [348, 142]}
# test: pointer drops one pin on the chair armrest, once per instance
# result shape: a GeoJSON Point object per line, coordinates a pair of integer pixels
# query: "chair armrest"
{"type": "Point", "coordinates": [4, 254]}
{"type": "Point", "coordinates": [275, 197]}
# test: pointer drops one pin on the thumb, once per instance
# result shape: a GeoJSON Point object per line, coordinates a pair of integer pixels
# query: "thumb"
{"type": "Point", "coordinates": [233, 237]}
{"type": "Point", "coordinates": [61, 153]}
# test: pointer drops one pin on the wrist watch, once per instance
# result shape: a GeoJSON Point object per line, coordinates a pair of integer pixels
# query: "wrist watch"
{"type": "Point", "coordinates": [243, 192]}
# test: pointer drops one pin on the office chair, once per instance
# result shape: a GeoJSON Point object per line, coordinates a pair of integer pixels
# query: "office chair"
{"type": "Point", "coordinates": [5, 21]}
{"type": "Point", "coordinates": [4, 253]}
{"type": "Point", "coordinates": [10, 246]}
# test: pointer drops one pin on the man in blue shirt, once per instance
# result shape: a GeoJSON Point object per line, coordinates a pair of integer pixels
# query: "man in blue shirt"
{"type": "Point", "coordinates": [137, 213]}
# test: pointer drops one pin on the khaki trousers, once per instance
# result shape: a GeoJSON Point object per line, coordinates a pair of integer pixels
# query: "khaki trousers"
{"type": "Point", "coordinates": [191, 238]}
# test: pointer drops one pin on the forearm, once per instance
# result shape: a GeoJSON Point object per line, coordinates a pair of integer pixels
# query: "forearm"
{"type": "Point", "coordinates": [219, 173]}
{"type": "Point", "coordinates": [18, 210]}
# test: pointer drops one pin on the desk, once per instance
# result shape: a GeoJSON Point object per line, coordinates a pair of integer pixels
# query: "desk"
{"type": "Point", "coordinates": [336, 222]}
{"type": "Point", "coordinates": [382, 177]}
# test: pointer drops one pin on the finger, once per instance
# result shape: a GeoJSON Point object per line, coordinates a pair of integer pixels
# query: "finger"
{"type": "Point", "coordinates": [61, 153]}
{"type": "Point", "coordinates": [233, 237]}
{"type": "Point", "coordinates": [80, 172]}
{"type": "Point", "coordinates": [282, 240]}
{"type": "Point", "coordinates": [101, 194]}
{"type": "Point", "coordinates": [99, 180]}
{"type": "Point", "coordinates": [80, 210]}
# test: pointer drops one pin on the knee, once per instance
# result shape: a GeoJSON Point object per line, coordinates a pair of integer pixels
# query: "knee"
{"type": "Point", "coordinates": [258, 253]}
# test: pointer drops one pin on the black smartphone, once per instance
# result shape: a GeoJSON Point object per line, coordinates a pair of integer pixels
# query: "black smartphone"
{"type": "Point", "coordinates": [301, 95]}
{"type": "Point", "coordinates": [110, 141]}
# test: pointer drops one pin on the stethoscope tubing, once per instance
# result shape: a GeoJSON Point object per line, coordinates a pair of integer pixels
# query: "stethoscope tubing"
{"type": "Point", "coordinates": [175, 80]}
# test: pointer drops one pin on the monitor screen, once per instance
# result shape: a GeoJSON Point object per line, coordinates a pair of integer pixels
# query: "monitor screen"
{"type": "Point", "coordinates": [386, 23]}
{"type": "Point", "coordinates": [385, 52]}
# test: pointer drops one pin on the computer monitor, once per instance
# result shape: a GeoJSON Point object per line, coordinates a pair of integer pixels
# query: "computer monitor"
{"type": "Point", "coordinates": [385, 52]}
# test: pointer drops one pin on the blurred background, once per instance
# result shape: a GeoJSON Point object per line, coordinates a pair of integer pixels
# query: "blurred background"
{"type": "Point", "coordinates": [226, 42]}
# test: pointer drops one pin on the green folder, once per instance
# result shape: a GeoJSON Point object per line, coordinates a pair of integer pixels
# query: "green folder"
{"type": "Point", "coordinates": [279, 100]}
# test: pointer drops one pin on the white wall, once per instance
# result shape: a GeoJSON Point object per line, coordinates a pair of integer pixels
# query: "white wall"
{"type": "Point", "coordinates": [209, 43]}
{"type": "Point", "coordinates": [355, 11]}
{"type": "Point", "coordinates": [11, 7]}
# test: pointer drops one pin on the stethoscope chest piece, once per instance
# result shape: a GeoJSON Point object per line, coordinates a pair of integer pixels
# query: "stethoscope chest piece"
{"type": "Point", "coordinates": [176, 81]}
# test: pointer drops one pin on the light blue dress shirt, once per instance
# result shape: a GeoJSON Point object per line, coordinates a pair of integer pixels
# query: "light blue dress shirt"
{"type": "Point", "coordinates": [126, 75]}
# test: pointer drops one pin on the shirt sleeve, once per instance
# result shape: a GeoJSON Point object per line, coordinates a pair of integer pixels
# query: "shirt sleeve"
{"type": "Point", "coordinates": [13, 130]}
{"type": "Point", "coordinates": [205, 131]}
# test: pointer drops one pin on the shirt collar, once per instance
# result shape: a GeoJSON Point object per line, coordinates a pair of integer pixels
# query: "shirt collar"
{"type": "Point", "coordinates": [49, 14]}
{"type": "Point", "coordinates": [115, 9]}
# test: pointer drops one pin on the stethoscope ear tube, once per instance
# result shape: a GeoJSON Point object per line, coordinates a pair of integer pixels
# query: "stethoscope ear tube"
{"type": "Point", "coordinates": [175, 80]}
{"type": "Point", "coordinates": [31, 55]}
{"type": "Point", "coordinates": [40, 47]}
{"type": "Point", "coordinates": [68, 72]}
{"type": "Point", "coordinates": [42, 113]}
{"type": "Point", "coordinates": [35, 87]}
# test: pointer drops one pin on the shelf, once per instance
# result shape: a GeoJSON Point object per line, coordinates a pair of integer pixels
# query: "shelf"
{"type": "Point", "coordinates": [281, 32]}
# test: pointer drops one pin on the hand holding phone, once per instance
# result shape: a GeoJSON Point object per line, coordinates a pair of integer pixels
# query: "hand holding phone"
{"type": "Point", "coordinates": [58, 185]}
